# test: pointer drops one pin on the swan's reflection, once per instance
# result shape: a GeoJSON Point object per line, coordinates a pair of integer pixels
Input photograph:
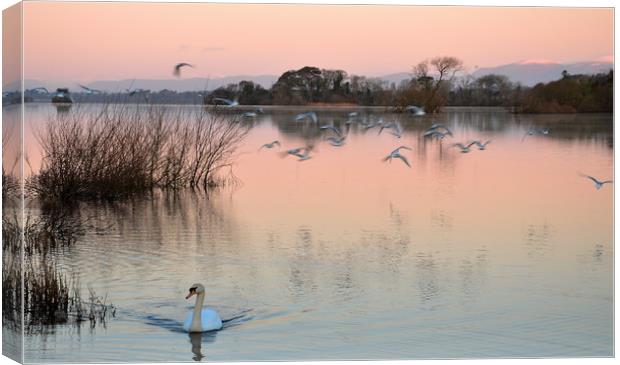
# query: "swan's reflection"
{"type": "Point", "coordinates": [196, 339]}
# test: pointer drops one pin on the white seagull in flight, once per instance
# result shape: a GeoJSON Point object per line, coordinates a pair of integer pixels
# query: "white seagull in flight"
{"type": "Point", "coordinates": [270, 145]}
{"type": "Point", "coordinates": [396, 154]}
{"type": "Point", "coordinates": [597, 183]}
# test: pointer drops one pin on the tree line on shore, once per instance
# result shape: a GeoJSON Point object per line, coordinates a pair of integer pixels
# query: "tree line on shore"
{"type": "Point", "coordinates": [434, 83]}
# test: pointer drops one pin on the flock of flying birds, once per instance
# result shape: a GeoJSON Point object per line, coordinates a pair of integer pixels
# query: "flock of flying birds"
{"type": "Point", "coordinates": [436, 131]}
{"type": "Point", "coordinates": [338, 138]}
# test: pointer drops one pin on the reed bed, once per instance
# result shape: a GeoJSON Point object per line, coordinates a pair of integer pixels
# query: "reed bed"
{"type": "Point", "coordinates": [33, 280]}
{"type": "Point", "coordinates": [124, 150]}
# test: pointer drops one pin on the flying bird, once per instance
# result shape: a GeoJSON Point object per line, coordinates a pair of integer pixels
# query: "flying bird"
{"type": "Point", "coordinates": [230, 103]}
{"type": "Point", "coordinates": [437, 126]}
{"type": "Point", "coordinates": [89, 90]}
{"type": "Point", "coordinates": [136, 91]}
{"type": "Point", "coordinates": [302, 152]}
{"type": "Point", "coordinates": [436, 134]}
{"type": "Point", "coordinates": [392, 125]}
{"type": "Point", "coordinates": [352, 118]}
{"type": "Point", "coordinates": [371, 124]}
{"type": "Point", "coordinates": [44, 90]}
{"type": "Point", "coordinates": [331, 127]}
{"type": "Point", "coordinates": [130, 86]}
{"type": "Point", "coordinates": [533, 131]}
{"type": "Point", "coordinates": [464, 148]}
{"type": "Point", "coordinates": [482, 146]}
{"type": "Point", "coordinates": [270, 145]}
{"type": "Point", "coordinates": [178, 66]}
{"type": "Point", "coordinates": [597, 183]}
{"type": "Point", "coordinates": [396, 154]}
{"type": "Point", "coordinates": [336, 141]}
{"type": "Point", "coordinates": [397, 131]}
{"type": "Point", "coordinates": [415, 110]}
{"type": "Point", "coordinates": [308, 115]}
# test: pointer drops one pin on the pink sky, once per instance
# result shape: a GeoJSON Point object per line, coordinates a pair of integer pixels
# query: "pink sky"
{"type": "Point", "coordinates": [93, 41]}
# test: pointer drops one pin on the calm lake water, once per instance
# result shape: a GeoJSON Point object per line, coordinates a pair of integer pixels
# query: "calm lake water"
{"type": "Point", "coordinates": [505, 252]}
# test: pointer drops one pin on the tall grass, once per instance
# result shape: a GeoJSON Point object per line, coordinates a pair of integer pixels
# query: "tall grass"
{"type": "Point", "coordinates": [124, 150]}
{"type": "Point", "coordinates": [46, 293]}
{"type": "Point", "coordinates": [36, 290]}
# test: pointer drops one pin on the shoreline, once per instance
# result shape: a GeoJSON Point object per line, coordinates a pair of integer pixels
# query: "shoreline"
{"type": "Point", "coordinates": [322, 107]}
{"type": "Point", "coordinates": [333, 108]}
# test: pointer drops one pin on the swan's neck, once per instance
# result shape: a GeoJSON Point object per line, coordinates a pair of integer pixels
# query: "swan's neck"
{"type": "Point", "coordinates": [197, 320]}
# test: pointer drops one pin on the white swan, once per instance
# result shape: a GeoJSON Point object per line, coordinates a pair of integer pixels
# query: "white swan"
{"type": "Point", "coordinates": [201, 320]}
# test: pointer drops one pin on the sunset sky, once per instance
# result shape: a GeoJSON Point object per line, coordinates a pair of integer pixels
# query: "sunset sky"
{"type": "Point", "coordinates": [95, 41]}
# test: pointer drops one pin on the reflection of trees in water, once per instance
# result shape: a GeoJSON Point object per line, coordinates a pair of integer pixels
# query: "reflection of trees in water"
{"type": "Point", "coordinates": [186, 209]}
{"type": "Point", "coordinates": [597, 127]}
{"type": "Point", "coordinates": [186, 220]}
{"type": "Point", "coordinates": [478, 121]}
{"type": "Point", "coordinates": [536, 240]}
{"type": "Point", "coordinates": [433, 150]}
{"type": "Point", "coordinates": [435, 276]}
{"type": "Point", "coordinates": [302, 270]}
{"type": "Point", "coordinates": [345, 284]}
{"type": "Point", "coordinates": [593, 256]}
{"type": "Point", "coordinates": [396, 217]}
{"type": "Point", "coordinates": [11, 150]}
{"type": "Point", "coordinates": [315, 265]}
{"type": "Point", "coordinates": [597, 254]}
{"type": "Point", "coordinates": [441, 220]}
{"type": "Point", "coordinates": [472, 274]}
{"type": "Point", "coordinates": [427, 276]}
{"type": "Point", "coordinates": [288, 126]}
{"type": "Point", "coordinates": [390, 248]}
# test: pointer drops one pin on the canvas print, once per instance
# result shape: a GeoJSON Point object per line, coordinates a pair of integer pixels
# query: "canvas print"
{"type": "Point", "coordinates": [247, 182]}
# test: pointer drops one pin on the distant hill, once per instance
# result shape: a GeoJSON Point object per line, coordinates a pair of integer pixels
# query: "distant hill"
{"type": "Point", "coordinates": [531, 73]}
{"type": "Point", "coordinates": [527, 73]}
{"type": "Point", "coordinates": [190, 84]}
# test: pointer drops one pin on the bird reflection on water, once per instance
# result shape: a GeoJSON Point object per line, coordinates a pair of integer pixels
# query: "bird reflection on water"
{"type": "Point", "coordinates": [196, 339]}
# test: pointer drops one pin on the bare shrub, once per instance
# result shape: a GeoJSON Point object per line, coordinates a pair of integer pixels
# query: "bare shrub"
{"type": "Point", "coordinates": [125, 150]}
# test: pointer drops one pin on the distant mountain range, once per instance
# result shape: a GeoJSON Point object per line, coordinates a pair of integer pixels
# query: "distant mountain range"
{"type": "Point", "coordinates": [527, 73]}
{"type": "Point", "coordinates": [190, 84]}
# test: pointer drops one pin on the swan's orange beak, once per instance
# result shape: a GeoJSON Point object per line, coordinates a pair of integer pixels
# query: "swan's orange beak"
{"type": "Point", "coordinates": [192, 292]}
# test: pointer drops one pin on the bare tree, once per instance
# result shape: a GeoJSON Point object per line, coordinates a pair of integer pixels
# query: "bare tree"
{"type": "Point", "coordinates": [445, 67]}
